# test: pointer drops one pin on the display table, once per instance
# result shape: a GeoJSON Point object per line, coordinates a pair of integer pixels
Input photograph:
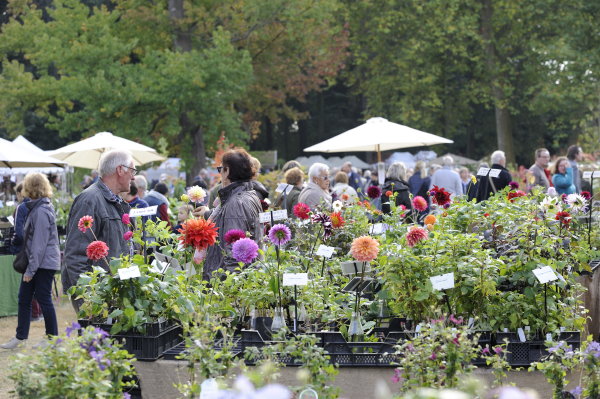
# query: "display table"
{"type": "Point", "coordinates": [9, 286]}
{"type": "Point", "coordinates": [157, 379]}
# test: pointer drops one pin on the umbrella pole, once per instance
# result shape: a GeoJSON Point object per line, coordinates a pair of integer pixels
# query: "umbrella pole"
{"type": "Point", "coordinates": [378, 153]}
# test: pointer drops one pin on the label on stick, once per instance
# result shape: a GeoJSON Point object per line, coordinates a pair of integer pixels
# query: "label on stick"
{"type": "Point", "coordinates": [281, 187]}
{"type": "Point", "coordinates": [483, 171]}
{"type": "Point", "coordinates": [545, 274]}
{"type": "Point", "coordinates": [325, 251]}
{"type": "Point", "coordinates": [148, 211]}
{"type": "Point", "coordinates": [495, 172]}
{"type": "Point", "coordinates": [442, 282]}
{"type": "Point", "coordinates": [265, 217]}
{"type": "Point", "coordinates": [129, 272]}
{"type": "Point", "coordinates": [290, 279]}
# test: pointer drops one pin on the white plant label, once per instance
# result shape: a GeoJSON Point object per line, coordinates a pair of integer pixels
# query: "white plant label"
{"type": "Point", "coordinates": [483, 171]}
{"type": "Point", "coordinates": [129, 272]}
{"type": "Point", "coordinates": [495, 172]}
{"type": "Point", "coordinates": [11, 220]}
{"type": "Point", "coordinates": [548, 337]}
{"type": "Point", "coordinates": [596, 173]}
{"type": "Point", "coordinates": [545, 274]}
{"type": "Point", "coordinates": [158, 266]}
{"type": "Point", "coordinates": [325, 251]}
{"type": "Point", "coordinates": [378, 228]}
{"type": "Point", "coordinates": [442, 282]}
{"type": "Point", "coordinates": [265, 217]}
{"type": "Point", "coordinates": [281, 187]}
{"type": "Point", "coordinates": [521, 335]}
{"type": "Point", "coordinates": [148, 211]}
{"type": "Point", "coordinates": [290, 279]}
{"type": "Point", "coordinates": [587, 174]}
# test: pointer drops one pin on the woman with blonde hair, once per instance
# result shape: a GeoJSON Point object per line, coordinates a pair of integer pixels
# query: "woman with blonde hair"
{"type": "Point", "coordinates": [42, 249]}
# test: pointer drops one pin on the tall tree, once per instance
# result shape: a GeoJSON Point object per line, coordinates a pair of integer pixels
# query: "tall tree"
{"type": "Point", "coordinates": [86, 77]}
{"type": "Point", "coordinates": [440, 65]}
{"type": "Point", "coordinates": [185, 71]}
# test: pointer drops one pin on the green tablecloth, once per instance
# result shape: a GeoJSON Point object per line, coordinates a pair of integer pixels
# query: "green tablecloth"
{"type": "Point", "coordinates": [9, 286]}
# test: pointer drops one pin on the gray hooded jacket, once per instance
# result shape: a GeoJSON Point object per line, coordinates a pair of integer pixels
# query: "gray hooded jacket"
{"type": "Point", "coordinates": [42, 245]}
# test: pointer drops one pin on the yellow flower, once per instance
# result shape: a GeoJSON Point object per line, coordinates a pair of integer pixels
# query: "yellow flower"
{"type": "Point", "coordinates": [473, 179]}
{"type": "Point", "coordinates": [185, 198]}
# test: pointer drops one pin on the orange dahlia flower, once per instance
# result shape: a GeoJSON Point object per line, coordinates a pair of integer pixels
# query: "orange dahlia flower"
{"type": "Point", "coordinates": [364, 249]}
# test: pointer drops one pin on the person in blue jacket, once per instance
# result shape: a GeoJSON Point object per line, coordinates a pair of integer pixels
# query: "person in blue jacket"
{"type": "Point", "coordinates": [562, 176]}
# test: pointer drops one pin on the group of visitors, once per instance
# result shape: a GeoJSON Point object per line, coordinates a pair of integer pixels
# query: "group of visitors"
{"type": "Point", "coordinates": [233, 204]}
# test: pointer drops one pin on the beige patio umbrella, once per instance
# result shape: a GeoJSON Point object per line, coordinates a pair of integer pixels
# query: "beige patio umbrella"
{"type": "Point", "coordinates": [86, 153]}
{"type": "Point", "coordinates": [377, 134]}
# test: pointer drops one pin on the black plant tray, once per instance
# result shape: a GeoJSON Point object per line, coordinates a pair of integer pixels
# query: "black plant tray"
{"type": "Point", "coordinates": [146, 347]}
{"type": "Point", "coordinates": [159, 337]}
{"type": "Point", "coordinates": [179, 349]}
{"type": "Point", "coordinates": [148, 329]}
{"type": "Point", "coordinates": [522, 354]}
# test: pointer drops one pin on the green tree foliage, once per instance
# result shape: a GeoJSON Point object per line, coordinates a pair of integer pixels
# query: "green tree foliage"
{"type": "Point", "coordinates": [182, 70]}
{"type": "Point", "coordinates": [81, 74]}
{"type": "Point", "coordinates": [466, 69]}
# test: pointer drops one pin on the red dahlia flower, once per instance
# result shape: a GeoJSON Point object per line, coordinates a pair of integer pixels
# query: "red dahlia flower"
{"type": "Point", "coordinates": [301, 210]}
{"type": "Point", "coordinates": [96, 250]}
{"type": "Point", "coordinates": [198, 233]}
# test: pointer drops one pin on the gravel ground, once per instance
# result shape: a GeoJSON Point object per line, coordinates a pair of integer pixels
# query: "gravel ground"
{"type": "Point", "coordinates": [65, 315]}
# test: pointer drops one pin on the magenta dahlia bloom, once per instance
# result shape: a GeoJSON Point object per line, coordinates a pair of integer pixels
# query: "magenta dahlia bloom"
{"type": "Point", "coordinates": [244, 250]}
{"type": "Point", "coordinates": [280, 234]}
{"type": "Point", "coordinates": [233, 235]}
{"type": "Point", "coordinates": [420, 203]}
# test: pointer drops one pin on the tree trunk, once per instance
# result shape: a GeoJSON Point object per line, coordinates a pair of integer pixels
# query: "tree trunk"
{"type": "Point", "coordinates": [182, 40]}
{"type": "Point", "coordinates": [503, 117]}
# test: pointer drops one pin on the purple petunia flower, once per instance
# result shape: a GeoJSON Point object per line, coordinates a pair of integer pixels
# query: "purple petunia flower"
{"type": "Point", "coordinates": [486, 351]}
{"type": "Point", "coordinates": [513, 185]}
{"type": "Point", "coordinates": [280, 234]}
{"type": "Point", "coordinates": [498, 350]}
{"type": "Point", "coordinates": [244, 250]}
{"type": "Point", "coordinates": [556, 347]}
{"type": "Point", "coordinates": [126, 395]}
{"type": "Point", "coordinates": [593, 349]}
{"type": "Point", "coordinates": [577, 391]}
{"type": "Point", "coordinates": [73, 327]}
{"type": "Point", "coordinates": [455, 320]}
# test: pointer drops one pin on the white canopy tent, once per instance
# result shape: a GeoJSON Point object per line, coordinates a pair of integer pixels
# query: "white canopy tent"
{"type": "Point", "coordinates": [377, 134]}
{"type": "Point", "coordinates": [14, 156]}
{"type": "Point", "coordinates": [86, 153]}
{"type": "Point", "coordinates": [34, 150]}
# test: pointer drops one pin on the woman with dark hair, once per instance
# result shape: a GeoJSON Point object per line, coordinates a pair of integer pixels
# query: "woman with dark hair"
{"type": "Point", "coordinates": [42, 249]}
{"type": "Point", "coordinates": [238, 209]}
{"type": "Point", "coordinates": [562, 176]}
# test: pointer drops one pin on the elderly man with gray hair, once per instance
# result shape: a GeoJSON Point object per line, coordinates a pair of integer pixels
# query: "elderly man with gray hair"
{"type": "Point", "coordinates": [316, 192]}
{"type": "Point", "coordinates": [102, 202]}
{"type": "Point", "coordinates": [487, 186]}
{"type": "Point", "coordinates": [447, 178]}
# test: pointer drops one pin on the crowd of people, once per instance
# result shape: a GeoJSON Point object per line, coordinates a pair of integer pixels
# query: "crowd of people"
{"type": "Point", "coordinates": [234, 202]}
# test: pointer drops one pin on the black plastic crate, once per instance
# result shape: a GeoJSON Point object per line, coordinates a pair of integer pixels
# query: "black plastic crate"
{"type": "Point", "coordinates": [150, 347]}
{"type": "Point", "coordinates": [521, 354]}
{"type": "Point", "coordinates": [149, 329]}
